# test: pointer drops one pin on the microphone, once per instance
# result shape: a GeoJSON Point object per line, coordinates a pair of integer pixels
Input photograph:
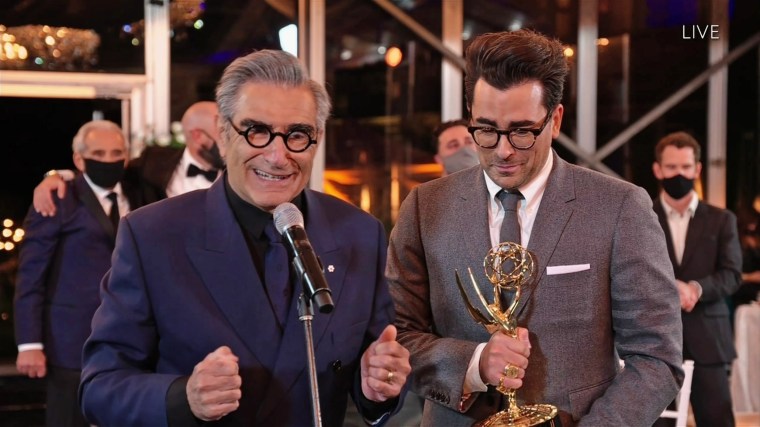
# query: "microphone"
{"type": "Point", "coordinates": [289, 222]}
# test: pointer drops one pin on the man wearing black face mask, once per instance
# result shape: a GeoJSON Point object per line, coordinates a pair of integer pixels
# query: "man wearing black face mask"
{"type": "Point", "coordinates": [61, 263]}
{"type": "Point", "coordinates": [162, 171]}
{"type": "Point", "coordinates": [703, 245]}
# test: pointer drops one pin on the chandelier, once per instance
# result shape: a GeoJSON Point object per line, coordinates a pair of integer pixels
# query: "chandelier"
{"type": "Point", "coordinates": [48, 48]}
{"type": "Point", "coordinates": [183, 15]}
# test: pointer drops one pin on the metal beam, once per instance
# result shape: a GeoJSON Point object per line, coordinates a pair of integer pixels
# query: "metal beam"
{"type": "Point", "coordinates": [311, 21]}
{"type": "Point", "coordinates": [421, 32]}
{"type": "Point", "coordinates": [452, 18]}
{"type": "Point", "coordinates": [673, 99]}
{"type": "Point", "coordinates": [588, 30]}
{"type": "Point", "coordinates": [157, 63]}
{"type": "Point", "coordinates": [717, 109]}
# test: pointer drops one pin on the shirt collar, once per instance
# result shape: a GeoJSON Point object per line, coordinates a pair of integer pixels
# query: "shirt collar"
{"type": "Point", "coordinates": [253, 219]}
{"type": "Point", "coordinates": [532, 189]}
{"type": "Point", "coordinates": [691, 209]}
{"type": "Point", "coordinates": [100, 192]}
{"type": "Point", "coordinates": [187, 160]}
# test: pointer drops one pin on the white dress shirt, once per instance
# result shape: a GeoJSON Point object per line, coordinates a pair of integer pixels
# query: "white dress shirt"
{"type": "Point", "coordinates": [102, 195]}
{"type": "Point", "coordinates": [180, 183]}
{"type": "Point", "coordinates": [679, 223]}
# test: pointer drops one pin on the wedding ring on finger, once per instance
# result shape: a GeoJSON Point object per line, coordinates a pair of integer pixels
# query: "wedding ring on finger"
{"type": "Point", "coordinates": [511, 371]}
{"type": "Point", "coordinates": [389, 378]}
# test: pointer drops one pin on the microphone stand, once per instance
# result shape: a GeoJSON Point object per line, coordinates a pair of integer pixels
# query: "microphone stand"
{"type": "Point", "coordinates": [305, 315]}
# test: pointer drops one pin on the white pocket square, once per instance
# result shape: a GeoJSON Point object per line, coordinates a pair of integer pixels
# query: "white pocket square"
{"type": "Point", "coordinates": [565, 269]}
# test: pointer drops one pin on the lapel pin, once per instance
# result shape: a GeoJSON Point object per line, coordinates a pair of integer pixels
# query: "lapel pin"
{"type": "Point", "coordinates": [330, 268]}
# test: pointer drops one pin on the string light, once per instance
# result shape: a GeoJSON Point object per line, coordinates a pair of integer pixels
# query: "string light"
{"type": "Point", "coordinates": [10, 238]}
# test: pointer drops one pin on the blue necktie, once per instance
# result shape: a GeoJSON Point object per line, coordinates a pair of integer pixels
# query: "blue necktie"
{"type": "Point", "coordinates": [510, 227]}
{"type": "Point", "coordinates": [277, 273]}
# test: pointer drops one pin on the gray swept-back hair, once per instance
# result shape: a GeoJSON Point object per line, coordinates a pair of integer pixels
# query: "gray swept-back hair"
{"type": "Point", "coordinates": [78, 145]}
{"type": "Point", "coordinates": [273, 67]}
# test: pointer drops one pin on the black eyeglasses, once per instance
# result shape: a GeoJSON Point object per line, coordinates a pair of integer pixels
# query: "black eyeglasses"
{"type": "Point", "coordinates": [260, 135]}
{"type": "Point", "coordinates": [521, 139]}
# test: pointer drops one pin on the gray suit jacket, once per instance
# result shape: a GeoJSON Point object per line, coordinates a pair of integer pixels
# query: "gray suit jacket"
{"type": "Point", "coordinates": [625, 304]}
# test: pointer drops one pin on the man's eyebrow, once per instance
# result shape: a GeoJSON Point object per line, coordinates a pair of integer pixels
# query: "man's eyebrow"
{"type": "Point", "coordinates": [251, 122]}
{"type": "Point", "coordinates": [301, 127]}
{"type": "Point", "coordinates": [512, 125]}
{"type": "Point", "coordinates": [293, 126]}
{"type": "Point", "coordinates": [485, 121]}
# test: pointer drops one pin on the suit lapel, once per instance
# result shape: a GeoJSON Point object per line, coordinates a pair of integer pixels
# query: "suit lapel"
{"type": "Point", "coordinates": [91, 202]}
{"type": "Point", "coordinates": [291, 362]}
{"type": "Point", "coordinates": [160, 164]}
{"type": "Point", "coordinates": [473, 205]}
{"type": "Point", "coordinates": [228, 272]}
{"type": "Point", "coordinates": [132, 193]}
{"type": "Point", "coordinates": [553, 214]}
{"type": "Point", "coordinates": [697, 226]}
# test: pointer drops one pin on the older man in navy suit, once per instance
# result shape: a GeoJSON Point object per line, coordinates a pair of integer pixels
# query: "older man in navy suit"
{"type": "Point", "coordinates": [62, 262]}
{"type": "Point", "coordinates": [193, 325]}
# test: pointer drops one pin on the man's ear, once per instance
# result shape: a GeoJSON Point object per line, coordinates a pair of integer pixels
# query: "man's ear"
{"type": "Point", "coordinates": [222, 144]}
{"type": "Point", "coordinates": [78, 162]}
{"type": "Point", "coordinates": [656, 170]}
{"type": "Point", "coordinates": [698, 170]}
{"type": "Point", "coordinates": [556, 120]}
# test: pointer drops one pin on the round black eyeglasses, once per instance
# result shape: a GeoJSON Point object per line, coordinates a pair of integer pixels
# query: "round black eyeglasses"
{"type": "Point", "coordinates": [521, 139]}
{"type": "Point", "coordinates": [259, 136]}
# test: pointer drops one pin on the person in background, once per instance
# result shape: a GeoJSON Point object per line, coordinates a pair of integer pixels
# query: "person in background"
{"type": "Point", "coordinates": [749, 235]}
{"type": "Point", "coordinates": [703, 246]}
{"type": "Point", "coordinates": [160, 171]}
{"type": "Point", "coordinates": [199, 320]}
{"type": "Point", "coordinates": [603, 286]}
{"type": "Point", "coordinates": [193, 168]}
{"type": "Point", "coordinates": [61, 263]}
{"type": "Point", "coordinates": [455, 149]}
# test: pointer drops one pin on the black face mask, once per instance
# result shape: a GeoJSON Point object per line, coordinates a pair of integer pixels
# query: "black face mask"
{"type": "Point", "coordinates": [212, 156]}
{"type": "Point", "coordinates": [677, 186]}
{"type": "Point", "coordinates": [104, 174]}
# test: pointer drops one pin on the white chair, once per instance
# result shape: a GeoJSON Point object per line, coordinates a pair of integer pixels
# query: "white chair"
{"type": "Point", "coordinates": [682, 400]}
{"type": "Point", "coordinates": [681, 413]}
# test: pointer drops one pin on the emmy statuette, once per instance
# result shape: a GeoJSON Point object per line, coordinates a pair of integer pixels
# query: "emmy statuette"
{"type": "Point", "coordinates": [508, 267]}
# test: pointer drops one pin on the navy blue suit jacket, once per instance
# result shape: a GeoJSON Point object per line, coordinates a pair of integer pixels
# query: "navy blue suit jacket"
{"type": "Point", "coordinates": [61, 263]}
{"type": "Point", "coordinates": [183, 284]}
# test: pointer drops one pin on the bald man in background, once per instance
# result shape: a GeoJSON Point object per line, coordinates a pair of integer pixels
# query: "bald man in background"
{"type": "Point", "coordinates": [162, 172]}
{"type": "Point", "coordinates": [193, 168]}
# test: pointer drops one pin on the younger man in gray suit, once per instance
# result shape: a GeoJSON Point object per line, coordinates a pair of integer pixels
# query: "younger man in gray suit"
{"type": "Point", "coordinates": [604, 285]}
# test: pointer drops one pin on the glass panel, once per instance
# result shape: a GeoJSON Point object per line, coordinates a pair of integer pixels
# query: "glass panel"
{"type": "Point", "coordinates": [379, 138]}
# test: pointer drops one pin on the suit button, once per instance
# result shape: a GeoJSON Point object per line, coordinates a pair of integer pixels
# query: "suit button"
{"type": "Point", "coordinates": [337, 366]}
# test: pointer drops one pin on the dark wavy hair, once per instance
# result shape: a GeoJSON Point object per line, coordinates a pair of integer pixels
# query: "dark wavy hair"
{"type": "Point", "coordinates": [511, 58]}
